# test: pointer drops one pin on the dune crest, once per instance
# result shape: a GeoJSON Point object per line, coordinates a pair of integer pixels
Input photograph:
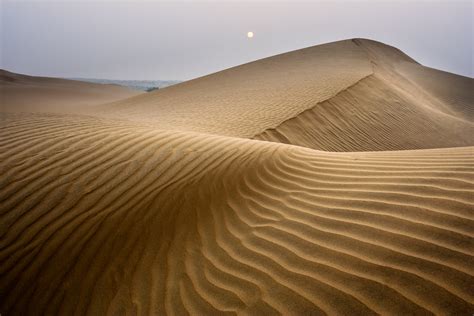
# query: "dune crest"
{"type": "Point", "coordinates": [401, 105]}
{"type": "Point", "coordinates": [245, 100]}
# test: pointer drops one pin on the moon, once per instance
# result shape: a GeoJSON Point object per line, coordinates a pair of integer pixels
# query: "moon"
{"type": "Point", "coordinates": [249, 34]}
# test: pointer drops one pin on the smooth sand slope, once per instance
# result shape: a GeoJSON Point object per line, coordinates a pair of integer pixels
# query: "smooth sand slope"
{"type": "Point", "coordinates": [155, 214]}
{"type": "Point", "coordinates": [21, 93]}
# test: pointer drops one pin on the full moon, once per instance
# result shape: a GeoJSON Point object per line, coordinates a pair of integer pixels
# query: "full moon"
{"type": "Point", "coordinates": [250, 34]}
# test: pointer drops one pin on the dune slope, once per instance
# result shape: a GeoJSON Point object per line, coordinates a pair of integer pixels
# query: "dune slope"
{"type": "Point", "coordinates": [370, 116]}
{"type": "Point", "coordinates": [109, 217]}
{"type": "Point", "coordinates": [401, 105]}
{"type": "Point", "coordinates": [163, 203]}
{"type": "Point", "coordinates": [352, 95]}
{"type": "Point", "coordinates": [21, 93]}
{"type": "Point", "coordinates": [246, 100]}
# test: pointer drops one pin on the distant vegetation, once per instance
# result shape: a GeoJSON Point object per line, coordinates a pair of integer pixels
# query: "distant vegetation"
{"type": "Point", "coordinates": [152, 89]}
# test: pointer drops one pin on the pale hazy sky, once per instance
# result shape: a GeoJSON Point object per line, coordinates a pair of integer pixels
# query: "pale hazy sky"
{"type": "Point", "coordinates": [186, 39]}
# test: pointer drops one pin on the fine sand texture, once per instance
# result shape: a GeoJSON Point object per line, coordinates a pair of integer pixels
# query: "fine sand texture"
{"type": "Point", "coordinates": [345, 190]}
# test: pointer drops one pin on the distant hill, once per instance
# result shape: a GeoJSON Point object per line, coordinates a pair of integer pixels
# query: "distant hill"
{"type": "Point", "coordinates": [23, 93]}
{"type": "Point", "coordinates": [142, 85]}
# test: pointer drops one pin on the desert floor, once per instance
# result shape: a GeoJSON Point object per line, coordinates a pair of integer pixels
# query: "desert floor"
{"type": "Point", "coordinates": [336, 179]}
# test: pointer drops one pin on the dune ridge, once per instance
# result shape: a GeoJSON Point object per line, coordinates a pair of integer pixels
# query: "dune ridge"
{"type": "Point", "coordinates": [371, 116]}
{"type": "Point", "coordinates": [359, 90]}
{"type": "Point", "coordinates": [245, 100]}
{"type": "Point", "coordinates": [132, 208]}
{"type": "Point", "coordinates": [401, 105]}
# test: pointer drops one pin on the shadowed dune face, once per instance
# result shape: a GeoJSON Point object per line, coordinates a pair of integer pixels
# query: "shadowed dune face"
{"type": "Point", "coordinates": [370, 116]}
{"type": "Point", "coordinates": [456, 92]}
{"type": "Point", "coordinates": [402, 105]}
{"type": "Point", "coordinates": [147, 206]}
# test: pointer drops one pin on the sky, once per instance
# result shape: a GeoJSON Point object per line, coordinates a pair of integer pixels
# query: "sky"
{"type": "Point", "coordinates": [181, 40]}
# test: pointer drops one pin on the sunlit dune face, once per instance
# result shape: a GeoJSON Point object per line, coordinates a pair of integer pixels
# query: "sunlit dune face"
{"type": "Point", "coordinates": [249, 34]}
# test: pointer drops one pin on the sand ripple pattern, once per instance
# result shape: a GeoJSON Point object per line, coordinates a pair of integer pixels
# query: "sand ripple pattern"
{"type": "Point", "coordinates": [369, 116]}
{"type": "Point", "coordinates": [108, 217]}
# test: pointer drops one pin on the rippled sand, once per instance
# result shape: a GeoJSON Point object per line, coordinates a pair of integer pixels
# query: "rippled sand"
{"type": "Point", "coordinates": [195, 200]}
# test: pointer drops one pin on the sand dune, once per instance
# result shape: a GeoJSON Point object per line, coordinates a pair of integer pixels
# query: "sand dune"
{"type": "Point", "coordinates": [342, 96]}
{"type": "Point", "coordinates": [401, 105]}
{"type": "Point", "coordinates": [21, 93]}
{"type": "Point", "coordinates": [246, 100]}
{"type": "Point", "coordinates": [372, 116]}
{"type": "Point", "coordinates": [136, 208]}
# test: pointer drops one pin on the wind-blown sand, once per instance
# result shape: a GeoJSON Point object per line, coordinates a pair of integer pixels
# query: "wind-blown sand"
{"type": "Point", "coordinates": [140, 207]}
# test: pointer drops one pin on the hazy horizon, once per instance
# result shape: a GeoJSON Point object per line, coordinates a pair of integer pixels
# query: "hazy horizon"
{"type": "Point", "coordinates": [156, 40]}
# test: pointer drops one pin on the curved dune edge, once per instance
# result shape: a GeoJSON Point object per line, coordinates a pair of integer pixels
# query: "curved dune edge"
{"type": "Point", "coordinates": [370, 116]}
{"type": "Point", "coordinates": [102, 216]}
{"type": "Point", "coordinates": [248, 99]}
{"type": "Point", "coordinates": [401, 105]}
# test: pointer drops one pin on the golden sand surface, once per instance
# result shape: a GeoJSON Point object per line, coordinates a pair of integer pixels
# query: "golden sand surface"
{"type": "Point", "coordinates": [337, 180]}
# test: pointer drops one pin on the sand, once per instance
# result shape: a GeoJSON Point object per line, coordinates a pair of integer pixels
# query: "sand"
{"type": "Point", "coordinates": [21, 93]}
{"type": "Point", "coordinates": [401, 105]}
{"type": "Point", "coordinates": [134, 207]}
